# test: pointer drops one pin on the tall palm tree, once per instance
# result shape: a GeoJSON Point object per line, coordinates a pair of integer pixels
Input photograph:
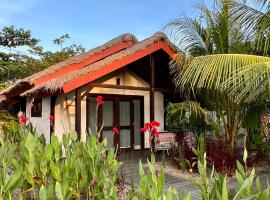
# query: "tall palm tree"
{"type": "Point", "coordinates": [217, 38]}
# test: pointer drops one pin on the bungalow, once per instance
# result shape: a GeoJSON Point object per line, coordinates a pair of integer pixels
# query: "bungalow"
{"type": "Point", "coordinates": [132, 77]}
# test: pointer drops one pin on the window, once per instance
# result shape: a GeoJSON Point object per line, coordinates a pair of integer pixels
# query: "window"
{"type": "Point", "coordinates": [118, 81]}
{"type": "Point", "coordinates": [36, 109]}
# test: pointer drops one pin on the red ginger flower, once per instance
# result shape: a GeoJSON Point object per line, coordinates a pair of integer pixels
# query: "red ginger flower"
{"type": "Point", "coordinates": [147, 125]}
{"type": "Point", "coordinates": [143, 130]}
{"type": "Point", "coordinates": [115, 131]}
{"type": "Point", "coordinates": [51, 118]}
{"type": "Point", "coordinates": [152, 130]}
{"type": "Point", "coordinates": [155, 123]}
{"type": "Point", "coordinates": [155, 132]}
{"type": "Point", "coordinates": [22, 119]}
{"type": "Point", "coordinates": [99, 100]}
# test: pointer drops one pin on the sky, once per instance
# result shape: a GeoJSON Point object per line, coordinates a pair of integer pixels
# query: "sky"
{"type": "Point", "coordinates": [92, 22]}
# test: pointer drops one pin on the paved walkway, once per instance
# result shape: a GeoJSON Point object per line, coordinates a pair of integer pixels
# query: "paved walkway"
{"type": "Point", "coordinates": [131, 166]}
{"type": "Point", "coordinates": [132, 177]}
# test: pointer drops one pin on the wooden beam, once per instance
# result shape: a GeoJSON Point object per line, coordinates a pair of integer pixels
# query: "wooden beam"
{"type": "Point", "coordinates": [78, 112]}
{"type": "Point", "coordinates": [101, 85]}
{"type": "Point", "coordinates": [123, 87]}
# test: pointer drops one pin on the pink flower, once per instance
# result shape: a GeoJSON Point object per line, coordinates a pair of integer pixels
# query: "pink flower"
{"type": "Point", "coordinates": [115, 131]}
{"type": "Point", "coordinates": [99, 100]}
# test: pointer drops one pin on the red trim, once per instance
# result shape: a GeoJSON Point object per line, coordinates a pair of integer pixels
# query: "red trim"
{"type": "Point", "coordinates": [90, 60]}
{"type": "Point", "coordinates": [82, 80]}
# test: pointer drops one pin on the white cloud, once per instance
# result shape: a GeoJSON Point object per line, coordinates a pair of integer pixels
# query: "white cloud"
{"type": "Point", "coordinates": [10, 8]}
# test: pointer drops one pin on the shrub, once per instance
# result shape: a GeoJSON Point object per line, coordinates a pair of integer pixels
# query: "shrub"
{"type": "Point", "coordinates": [220, 154]}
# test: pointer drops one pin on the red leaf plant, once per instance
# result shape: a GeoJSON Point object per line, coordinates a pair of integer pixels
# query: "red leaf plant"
{"type": "Point", "coordinates": [151, 128]}
{"type": "Point", "coordinates": [220, 154]}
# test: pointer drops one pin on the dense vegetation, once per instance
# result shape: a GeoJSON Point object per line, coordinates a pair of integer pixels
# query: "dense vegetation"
{"type": "Point", "coordinates": [71, 169]}
{"type": "Point", "coordinates": [222, 69]}
{"type": "Point", "coordinates": [21, 54]}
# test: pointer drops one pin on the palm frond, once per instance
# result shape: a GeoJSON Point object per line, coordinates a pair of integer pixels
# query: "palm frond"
{"type": "Point", "coordinates": [251, 83]}
{"type": "Point", "coordinates": [254, 23]}
{"type": "Point", "coordinates": [187, 35]}
{"type": "Point", "coordinates": [178, 110]}
{"type": "Point", "coordinates": [211, 71]}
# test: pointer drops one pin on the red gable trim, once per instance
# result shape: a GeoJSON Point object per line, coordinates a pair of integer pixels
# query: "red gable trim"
{"type": "Point", "coordinates": [82, 80]}
{"type": "Point", "coordinates": [88, 61]}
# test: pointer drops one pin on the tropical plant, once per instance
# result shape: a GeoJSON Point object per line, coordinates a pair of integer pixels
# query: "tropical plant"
{"type": "Point", "coordinates": [204, 76]}
{"type": "Point", "coordinates": [151, 185]}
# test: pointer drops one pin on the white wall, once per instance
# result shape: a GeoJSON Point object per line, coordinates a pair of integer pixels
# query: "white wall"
{"type": "Point", "coordinates": [64, 124]}
{"type": "Point", "coordinates": [64, 114]}
{"type": "Point", "coordinates": [42, 124]}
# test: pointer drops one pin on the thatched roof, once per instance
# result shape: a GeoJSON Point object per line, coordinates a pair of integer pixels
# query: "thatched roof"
{"type": "Point", "coordinates": [29, 81]}
{"type": "Point", "coordinates": [57, 83]}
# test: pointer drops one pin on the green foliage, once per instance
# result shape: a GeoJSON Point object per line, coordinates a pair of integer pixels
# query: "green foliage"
{"type": "Point", "coordinates": [64, 170]}
{"type": "Point", "coordinates": [151, 185]}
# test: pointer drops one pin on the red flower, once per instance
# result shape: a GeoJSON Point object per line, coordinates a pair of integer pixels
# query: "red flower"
{"type": "Point", "coordinates": [51, 118]}
{"type": "Point", "coordinates": [99, 100]}
{"type": "Point", "coordinates": [22, 119]}
{"type": "Point", "coordinates": [155, 132]}
{"type": "Point", "coordinates": [143, 130]}
{"type": "Point", "coordinates": [147, 125]}
{"type": "Point", "coordinates": [115, 131]}
{"type": "Point", "coordinates": [155, 123]}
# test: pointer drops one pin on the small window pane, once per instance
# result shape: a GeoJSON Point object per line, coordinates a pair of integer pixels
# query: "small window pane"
{"type": "Point", "coordinates": [36, 109]}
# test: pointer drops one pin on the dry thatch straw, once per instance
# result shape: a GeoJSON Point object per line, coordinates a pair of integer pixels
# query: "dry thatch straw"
{"type": "Point", "coordinates": [57, 83]}
{"type": "Point", "coordinates": [29, 81]}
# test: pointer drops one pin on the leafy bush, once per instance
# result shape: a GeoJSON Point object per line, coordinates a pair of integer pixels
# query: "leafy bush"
{"type": "Point", "coordinates": [62, 170]}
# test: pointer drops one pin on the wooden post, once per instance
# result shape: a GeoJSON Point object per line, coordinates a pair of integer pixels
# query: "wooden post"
{"type": "Point", "coordinates": [152, 92]}
{"type": "Point", "coordinates": [152, 86]}
{"type": "Point", "coordinates": [78, 112]}
{"type": "Point", "coordinates": [52, 113]}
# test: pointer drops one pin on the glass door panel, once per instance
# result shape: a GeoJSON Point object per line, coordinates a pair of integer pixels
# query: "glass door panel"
{"type": "Point", "coordinates": [108, 119]}
{"type": "Point", "coordinates": [125, 124]}
{"type": "Point", "coordinates": [92, 116]}
{"type": "Point", "coordinates": [137, 124]}
{"type": "Point", "coordinates": [109, 137]}
{"type": "Point", "coordinates": [108, 122]}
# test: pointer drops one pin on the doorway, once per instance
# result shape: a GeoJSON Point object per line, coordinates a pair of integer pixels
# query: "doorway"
{"type": "Point", "coordinates": [126, 113]}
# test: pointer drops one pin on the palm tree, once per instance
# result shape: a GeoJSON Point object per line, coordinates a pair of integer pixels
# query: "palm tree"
{"type": "Point", "coordinates": [218, 38]}
{"type": "Point", "coordinates": [255, 21]}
